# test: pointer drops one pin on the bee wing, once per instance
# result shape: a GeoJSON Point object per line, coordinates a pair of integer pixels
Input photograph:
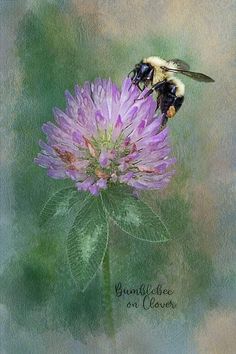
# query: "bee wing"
{"type": "Point", "coordinates": [195, 76]}
{"type": "Point", "coordinates": [181, 64]}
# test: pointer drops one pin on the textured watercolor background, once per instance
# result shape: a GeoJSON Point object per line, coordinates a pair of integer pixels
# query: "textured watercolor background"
{"type": "Point", "coordinates": [48, 46]}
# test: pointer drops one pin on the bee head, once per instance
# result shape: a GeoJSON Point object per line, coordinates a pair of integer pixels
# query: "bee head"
{"type": "Point", "coordinates": [142, 72]}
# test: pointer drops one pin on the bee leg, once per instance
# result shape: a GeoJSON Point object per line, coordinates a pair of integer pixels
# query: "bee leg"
{"type": "Point", "coordinates": [164, 121]}
{"type": "Point", "coordinates": [148, 93]}
{"type": "Point", "coordinates": [175, 106]}
{"type": "Point", "coordinates": [157, 86]}
{"type": "Point", "coordinates": [158, 102]}
{"type": "Point", "coordinates": [171, 111]}
{"type": "Point", "coordinates": [141, 88]}
{"type": "Point", "coordinates": [168, 113]}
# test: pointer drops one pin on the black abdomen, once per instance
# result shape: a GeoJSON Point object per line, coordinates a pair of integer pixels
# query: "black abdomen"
{"type": "Point", "coordinates": [168, 102]}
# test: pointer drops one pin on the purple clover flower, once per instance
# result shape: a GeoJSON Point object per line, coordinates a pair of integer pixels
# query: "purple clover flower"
{"type": "Point", "coordinates": [106, 136]}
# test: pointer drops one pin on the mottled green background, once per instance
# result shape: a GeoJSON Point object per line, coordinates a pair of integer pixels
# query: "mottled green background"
{"type": "Point", "coordinates": [47, 47]}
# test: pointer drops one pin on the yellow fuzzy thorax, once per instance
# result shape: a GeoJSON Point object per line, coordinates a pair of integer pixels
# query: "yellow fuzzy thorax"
{"type": "Point", "coordinates": [157, 63]}
{"type": "Point", "coordinates": [160, 74]}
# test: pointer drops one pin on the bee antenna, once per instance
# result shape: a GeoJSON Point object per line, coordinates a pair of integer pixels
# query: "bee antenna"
{"type": "Point", "coordinates": [130, 73]}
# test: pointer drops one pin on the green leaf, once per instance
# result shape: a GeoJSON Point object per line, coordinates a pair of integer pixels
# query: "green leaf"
{"type": "Point", "coordinates": [60, 203]}
{"type": "Point", "coordinates": [87, 242]}
{"type": "Point", "coordinates": [133, 215]}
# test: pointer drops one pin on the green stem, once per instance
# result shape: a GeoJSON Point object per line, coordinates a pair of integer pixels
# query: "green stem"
{"type": "Point", "coordinates": [109, 325]}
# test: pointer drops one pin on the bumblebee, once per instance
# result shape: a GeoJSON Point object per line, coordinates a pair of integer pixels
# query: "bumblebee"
{"type": "Point", "coordinates": [159, 74]}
